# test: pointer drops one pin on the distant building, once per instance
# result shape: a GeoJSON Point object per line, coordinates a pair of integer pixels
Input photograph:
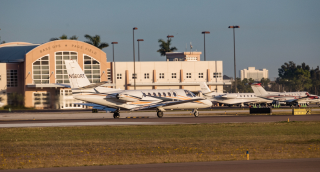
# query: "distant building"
{"type": "Point", "coordinates": [255, 74]}
{"type": "Point", "coordinates": [183, 56]}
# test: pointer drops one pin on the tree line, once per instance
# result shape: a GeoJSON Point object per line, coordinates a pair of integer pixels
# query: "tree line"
{"type": "Point", "coordinates": [291, 78]}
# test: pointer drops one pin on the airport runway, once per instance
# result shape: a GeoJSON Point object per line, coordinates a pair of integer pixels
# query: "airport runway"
{"type": "Point", "coordinates": [281, 165]}
{"type": "Point", "coordinates": [153, 121]}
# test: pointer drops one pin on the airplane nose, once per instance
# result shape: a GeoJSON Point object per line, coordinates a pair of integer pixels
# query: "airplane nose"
{"type": "Point", "coordinates": [207, 102]}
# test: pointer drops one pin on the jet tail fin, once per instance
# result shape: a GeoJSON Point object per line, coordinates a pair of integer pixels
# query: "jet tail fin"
{"type": "Point", "coordinates": [204, 88]}
{"type": "Point", "coordinates": [258, 89]}
{"type": "Point", "coordinates": [76, 75]}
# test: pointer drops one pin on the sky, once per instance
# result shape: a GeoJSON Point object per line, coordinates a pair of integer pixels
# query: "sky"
{"type": "Point", "coordinates": [271, 32]}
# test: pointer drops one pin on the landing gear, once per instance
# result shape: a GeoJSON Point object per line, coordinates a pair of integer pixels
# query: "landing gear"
{"type": "Point", "coordinates": [195, 112]}
{"type": "Point", "coordinates": [159, 114]}
{"type": "Point", "coordinates": [116, 115]}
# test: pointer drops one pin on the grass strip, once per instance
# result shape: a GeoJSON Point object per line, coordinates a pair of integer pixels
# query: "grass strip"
{"type": "Point", "coordinates": [115, 145]}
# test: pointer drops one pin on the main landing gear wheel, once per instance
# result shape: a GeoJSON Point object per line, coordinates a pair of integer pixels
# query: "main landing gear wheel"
{"type": "Point", "coordinates": [160, 114]}
{"type": "Point", "coordinates": [116, 115]}
{"type": "Point", "coordinates": [196, 113]}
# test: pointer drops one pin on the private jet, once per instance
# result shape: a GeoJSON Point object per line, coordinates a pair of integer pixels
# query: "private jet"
{"type": "Point", "coordinates": [114, 100]}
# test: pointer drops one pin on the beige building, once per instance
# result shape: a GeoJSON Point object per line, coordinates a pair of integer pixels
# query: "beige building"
{"type": "Point", "coordinates": [255, 74]}
{"type": "Point", "coordinates": [170, 75]}
{"type": "Point", "coordinates": [37, 74]}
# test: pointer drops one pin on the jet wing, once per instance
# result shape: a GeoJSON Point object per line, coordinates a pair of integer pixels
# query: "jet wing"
{"type": "Point", "coordinates": [162, 104]}
{"type": "Point", "coordinates": [96, 106]}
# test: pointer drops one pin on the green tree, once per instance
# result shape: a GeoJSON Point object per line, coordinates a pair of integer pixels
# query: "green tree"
{"type": "Point", "coordinates": [74, 37]}
{"type": "Point", "coordinates": [165, 47]}
{"type": "Point", "coordinates": [95, 41]}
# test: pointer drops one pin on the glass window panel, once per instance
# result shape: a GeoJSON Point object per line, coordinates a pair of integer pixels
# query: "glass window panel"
{"type": "Point", "coordinates": [95, 62]}
{"type": "Point", "coordinates": [45, 76]}
{"type": "Point", "coordinates": [95, 66]}
{"type": "Point", "coordinates": [59, 76]}
{"type": "Point", "coordinates": [45, 67]}
{"type": "Point", "coordinates": [87, 66]}
{"type": "Point", "coordinates": [37, 77]}
{"type": "Point", "coordinates": [66, 53]}
{"type": "Point", "coordinates": [74, 57]}
{"type": "Point", "coordinates": [58, 53]}
{"type": "Point", "coordinates": [89, 76]}
{"type": "Point", "coordinates": [65, 71]}
{"type": "Point", "coordinates": [45, 81]}
{"type": "Point", "coordinates": [96, 76]}
{"type": "Point", "coordinates": [96, 71]}
{"type": "Point", "coordinates": [59, 62]}
{"type": "Point", "coordinates": [45, 72]}
{"type": "Point", "coordinates": [59, 58]}
{"type": "Point", "coordinates": [36, 63]}
{"type": "Point", "coordinates": [59, 67]}
{"type": "Point", "coordinates": [37, 81]}
{"type": "Point", "coordinates": [36, 67]}
{"type": "Point", "coordinates": [59, 72]}
{"type": "Point", "coordinates": [36, 72]}
{"type": "Point", "coordinates": [65, 77]}
{"type": "Point", "coordinates": [59, 81]}
{"type": "Point", "coordinates": [87, 58]}
{"type": "Point", "coordinates": [66, 81]}
{"type": "Point", "coordinates": [87, 72]}
{"type": "Point", "coordinates": [87, 62]}
{"type": "Point", "coordinates": [45, 58]}
{"type": "Point", "coordinates": [73, 53]}
{"type": "Point", "coordinates": [66, 58]}
{"type": "Point", "coordinates": [45, 62]}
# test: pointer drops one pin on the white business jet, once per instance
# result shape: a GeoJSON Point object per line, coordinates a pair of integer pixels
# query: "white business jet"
{"type": "Point", "coordinates": [114, 100]}
{"type": "Point", "coordinates": [289, 98]}
{"type": "Point", "coordinates": [229, 99]}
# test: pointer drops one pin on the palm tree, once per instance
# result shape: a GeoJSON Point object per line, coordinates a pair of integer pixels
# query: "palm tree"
{"type": "Point", "coordinates": [74, 37]}
{"type": "Point", "coordinates": [165, 47]}
{"type": "Point", "coordinates": [95, 41]}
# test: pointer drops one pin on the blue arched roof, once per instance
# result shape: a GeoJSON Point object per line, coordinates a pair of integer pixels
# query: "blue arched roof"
{"type": "Point", "coordinates": [15, 53]}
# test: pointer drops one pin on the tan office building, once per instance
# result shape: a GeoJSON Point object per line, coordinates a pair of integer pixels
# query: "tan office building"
{"type": "Point", "coordinates": [37, 73]}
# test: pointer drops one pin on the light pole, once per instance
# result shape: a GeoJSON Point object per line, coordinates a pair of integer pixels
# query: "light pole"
{"type": "Point", "coordinates": [169, 36]}
{"type": "Point", "coordinates": [114, 64]}
{"type": "Point", "coordinates": [139, 49]}
{"type": "Point", "coordinates": [234, 54]}
{"type": "Point", "coordinates": [204, 36]}
{"type": "Point", "coordinates": [134, 61]}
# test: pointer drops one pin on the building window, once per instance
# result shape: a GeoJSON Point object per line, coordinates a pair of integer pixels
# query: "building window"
{"type": "Point", "coordinates": [0, 77]}
{"type": "Point", "coordinates": [12, 78]}
{"type": "Point", "coordinates": [134, 76]}
{"type": "Point", "coordinates": [161, 75]}
{"type": "Point", "coordinates": [173, 75]}
{"type": "Point", "coordinates": [146, 75]}
{"type": "Point", "coordinates": [188, 75]}
{"type": "Point", "coordinates": [119, 76]}
{"type": "Point", "coordinates": [61, 71]}
{"type": "Point", "coordinates": [108, 74]}
{"type": "Point", "coordinates": [217, 75]}
{"type": "Point", "coordinates": [192, 59]}
{"type": "Point", "coordinates": [200, 75]}
{"type": "Point", "coordinates": [41, 99]}
{"type": "Point", "coordinates": [41, 70]}
{"type": "Point", "coordinates": [92, 69]}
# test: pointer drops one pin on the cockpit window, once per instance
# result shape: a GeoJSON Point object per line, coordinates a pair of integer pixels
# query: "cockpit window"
{"type": "Point", "coordinates": [169, 94]}
{"type": "Point", "coordinates": [154, 94]}
{"type": "Point", "coordinates": [159, 94]}
{"type": "Point", "coordinates": [144, 94]}
{"type": "Point", "coordinates": [149, 94]}
{"type": "Point", "coordinates": [164, 94]}
{"type": "Point", "coordinates": [189, 94]}
{"type": "Point", "coordinates": [174, 94]}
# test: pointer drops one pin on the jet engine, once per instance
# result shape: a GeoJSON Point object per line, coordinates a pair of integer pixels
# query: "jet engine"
{"type": "Point", "coordinates": [130, 96]}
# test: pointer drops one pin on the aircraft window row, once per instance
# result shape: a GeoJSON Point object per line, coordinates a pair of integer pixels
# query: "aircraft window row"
{"type": "Point", "coordinates": [188, 75]}
{"type": "Point", "coordinates": [248, 95]}
{"type": "Point", "coordinates": [134, 76]}
{"type": "Point", "coordinates": [173, 75]}
{"type": "Point", "coordinates": [164, 94]}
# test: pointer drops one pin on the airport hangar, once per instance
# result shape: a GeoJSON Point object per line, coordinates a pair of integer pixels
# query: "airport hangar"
{"type": "Point", "coordinates": [33, 70]}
